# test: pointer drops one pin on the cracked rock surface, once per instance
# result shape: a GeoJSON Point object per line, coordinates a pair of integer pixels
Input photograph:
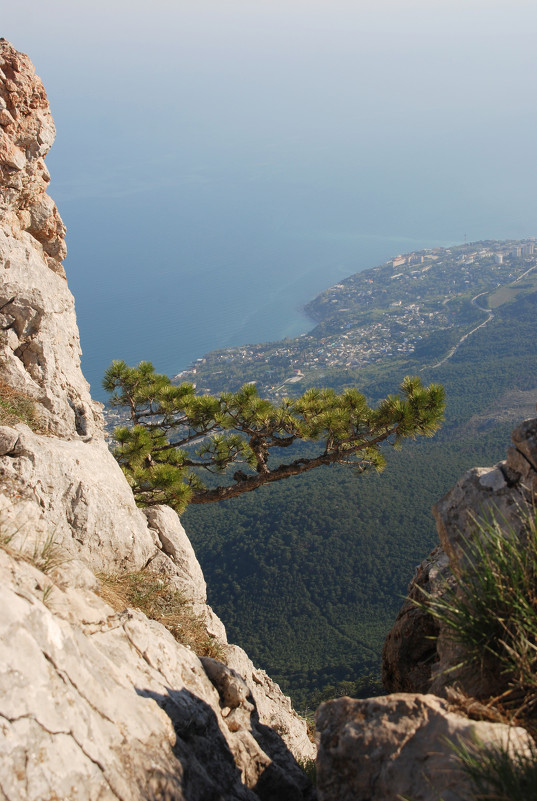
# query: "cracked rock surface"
{"type": "Point", "coordinates": [97, 704]}
{"type": "Point", "coordinates": [39, 346]}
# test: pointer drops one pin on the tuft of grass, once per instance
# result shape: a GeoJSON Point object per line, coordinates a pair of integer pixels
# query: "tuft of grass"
{"type": "Point", "coordinates": [47, 592]}
{"type": "Point", "coordinates": [45, 554]}
{"type": "Point", "coordinates": [491, 609]}
{"type": "Point", "coordinates": [309, 766]}
{"type": "Point", "coordinates": [499, 773]}
{"type": "Point", "coordinates": [16, 407]}
{"type": "Point", "coordinates": [160, 601]}
{"type": "Point", "coordinates": [21, 542]}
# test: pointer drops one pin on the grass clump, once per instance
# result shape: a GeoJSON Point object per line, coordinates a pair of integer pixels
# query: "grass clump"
{"type": "Point", "coordinates": [496, 772]}
{"type": "Point", "coordinates": [47, 554]}
{"type": "Point", "coordinates": [309, 766]}
{"type": "Point", "coordinates": [159, 600]}
{"type": "Point", "coordinates": [16, 407]}
{"type": "Point", "coordinates": [491, 609]}
{"type": "Point", "coordinates": [44, 552]}
{"type": "Point", "coordinates": [20, 540]}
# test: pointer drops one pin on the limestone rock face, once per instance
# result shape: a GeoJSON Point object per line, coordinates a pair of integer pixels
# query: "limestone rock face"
{"type": "Point", "coordinates": [397, 746]}
{"type": "Point", "coordinates": [172, 539]}
{"type": "Point", "coordinates": [39, 343]}
{"type": "Point", "coordinates": [273, 707]}
{"type": "Point", "coordinates": [97, 704]}
{"type": "Point", "coordinates": [479, 494]}
{"type": "Point", "coordinates": [83, 496]}
{"type": "Point", "coordinates": [503, 491]}
{"type": "Point", "coordinates": [101, 705]}
{"type": "Point", "coordinates": [177, 562]}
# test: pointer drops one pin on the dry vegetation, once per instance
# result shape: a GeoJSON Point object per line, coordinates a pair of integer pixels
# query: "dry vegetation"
{"type": "Point", "coordinates": [16, 407]}
{"type": "Point", "coordinates": [20, 541]}
{"type": "Point", "coordinates": [160, 601]}
{"type": "Point", "coordinates": [41, 551]}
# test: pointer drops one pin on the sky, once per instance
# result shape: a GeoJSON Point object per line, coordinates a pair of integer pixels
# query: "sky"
{"type": "Point", "coordinates": [219, 163]}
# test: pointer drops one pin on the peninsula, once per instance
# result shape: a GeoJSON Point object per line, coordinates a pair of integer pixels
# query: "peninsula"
{"type": "Point", "coordinates": [416, 307]}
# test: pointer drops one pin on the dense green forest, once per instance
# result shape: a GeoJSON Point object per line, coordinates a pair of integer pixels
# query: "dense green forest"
{"type": "Point", "coordinates": [309, 574]}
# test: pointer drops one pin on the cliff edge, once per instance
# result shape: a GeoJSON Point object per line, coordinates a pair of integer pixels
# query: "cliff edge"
{"type": "Point", "coordinates": [97, 699]}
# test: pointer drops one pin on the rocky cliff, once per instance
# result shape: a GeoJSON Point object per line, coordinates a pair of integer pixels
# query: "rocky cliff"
{"type": "Point", "coordinates": [402, 745]}
{"type": "Point", "coordinates": [99, 701]}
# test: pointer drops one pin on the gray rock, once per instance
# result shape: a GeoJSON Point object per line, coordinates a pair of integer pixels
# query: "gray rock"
{"type": "Point", "coordinates": [95, 704]}
{"type": "Point", "coordinates": [8, 439]}
{"type": "Point", "coordinates": [41, 352]}
{"type": "Point", "coordinates": [84, 498]}
{"type": "Point", "coordinates": [175, 544]}
{"type": "Point", "coordinates": [273, 707]}
{"type": "Point", "coordinates": [115, 707]}
{"type": "Point", "coordinates": [232, 688]}
{"type": "Point", "coordinates": [479, 495]}
{"type": "Point", "coordinates": [398, 746]}
{"type": "Point", "coordinates": [413, 661]}
{"type": "Point", "coordinates": [410, 650]}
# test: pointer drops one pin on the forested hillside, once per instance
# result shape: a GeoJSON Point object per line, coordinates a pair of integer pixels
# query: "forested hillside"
{"type": "Point", "coordinates": [309, 574]}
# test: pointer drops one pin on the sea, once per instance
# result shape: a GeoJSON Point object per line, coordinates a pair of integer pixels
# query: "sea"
{"type": "Point", "coordinates": [213, 288]}
{"type": "Point", "coordinates": [155, 282]}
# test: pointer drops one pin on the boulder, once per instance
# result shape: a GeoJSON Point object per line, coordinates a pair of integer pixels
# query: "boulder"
{"type": "Point", "coordinates": [410, 654]}
{"type": "Point", "coordinates": [400, 746]}
{"type": "Point", "coordinates": [419, 655]}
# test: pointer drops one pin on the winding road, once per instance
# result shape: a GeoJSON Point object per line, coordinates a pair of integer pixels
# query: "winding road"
{"type": "Point", "coordinates": [453, 350]}
{"type": "Point", "coordinates": [489, 314]}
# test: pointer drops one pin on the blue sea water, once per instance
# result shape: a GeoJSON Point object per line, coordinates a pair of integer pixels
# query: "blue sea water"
{"type": "Point", "coordinates": [213, 285]}
{"type": "Point", "coordinates": [166, 281]}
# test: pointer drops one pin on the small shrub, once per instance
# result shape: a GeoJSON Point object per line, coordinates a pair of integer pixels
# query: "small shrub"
{"type": "Point", "coordinates": [160, 601]}
{"type": "Point", "coordinates": [16, 407]}
{"type": "Point", "coordinates": [491, 610]}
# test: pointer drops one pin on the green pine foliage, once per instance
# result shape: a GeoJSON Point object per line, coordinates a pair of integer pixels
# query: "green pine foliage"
{"type": "Point", "coordinates": [309, 574]}
{"type": "Point", "coordinates": [174, 435]}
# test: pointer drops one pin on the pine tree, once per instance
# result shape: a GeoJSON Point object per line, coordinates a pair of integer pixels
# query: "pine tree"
{"type": "Point", "coordinates": [175, 435]}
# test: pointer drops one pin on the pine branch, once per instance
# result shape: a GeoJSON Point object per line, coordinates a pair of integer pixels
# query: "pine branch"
{"type": "Point", "coordinates": [243, 428]}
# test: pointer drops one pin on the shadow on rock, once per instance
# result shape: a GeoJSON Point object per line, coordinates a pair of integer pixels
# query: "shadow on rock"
{"type": "Point", "coordinates": [237, 758]}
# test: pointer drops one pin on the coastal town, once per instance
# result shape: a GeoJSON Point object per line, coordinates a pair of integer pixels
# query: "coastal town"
{"type": "Point", "coordinates": [387, 312]}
